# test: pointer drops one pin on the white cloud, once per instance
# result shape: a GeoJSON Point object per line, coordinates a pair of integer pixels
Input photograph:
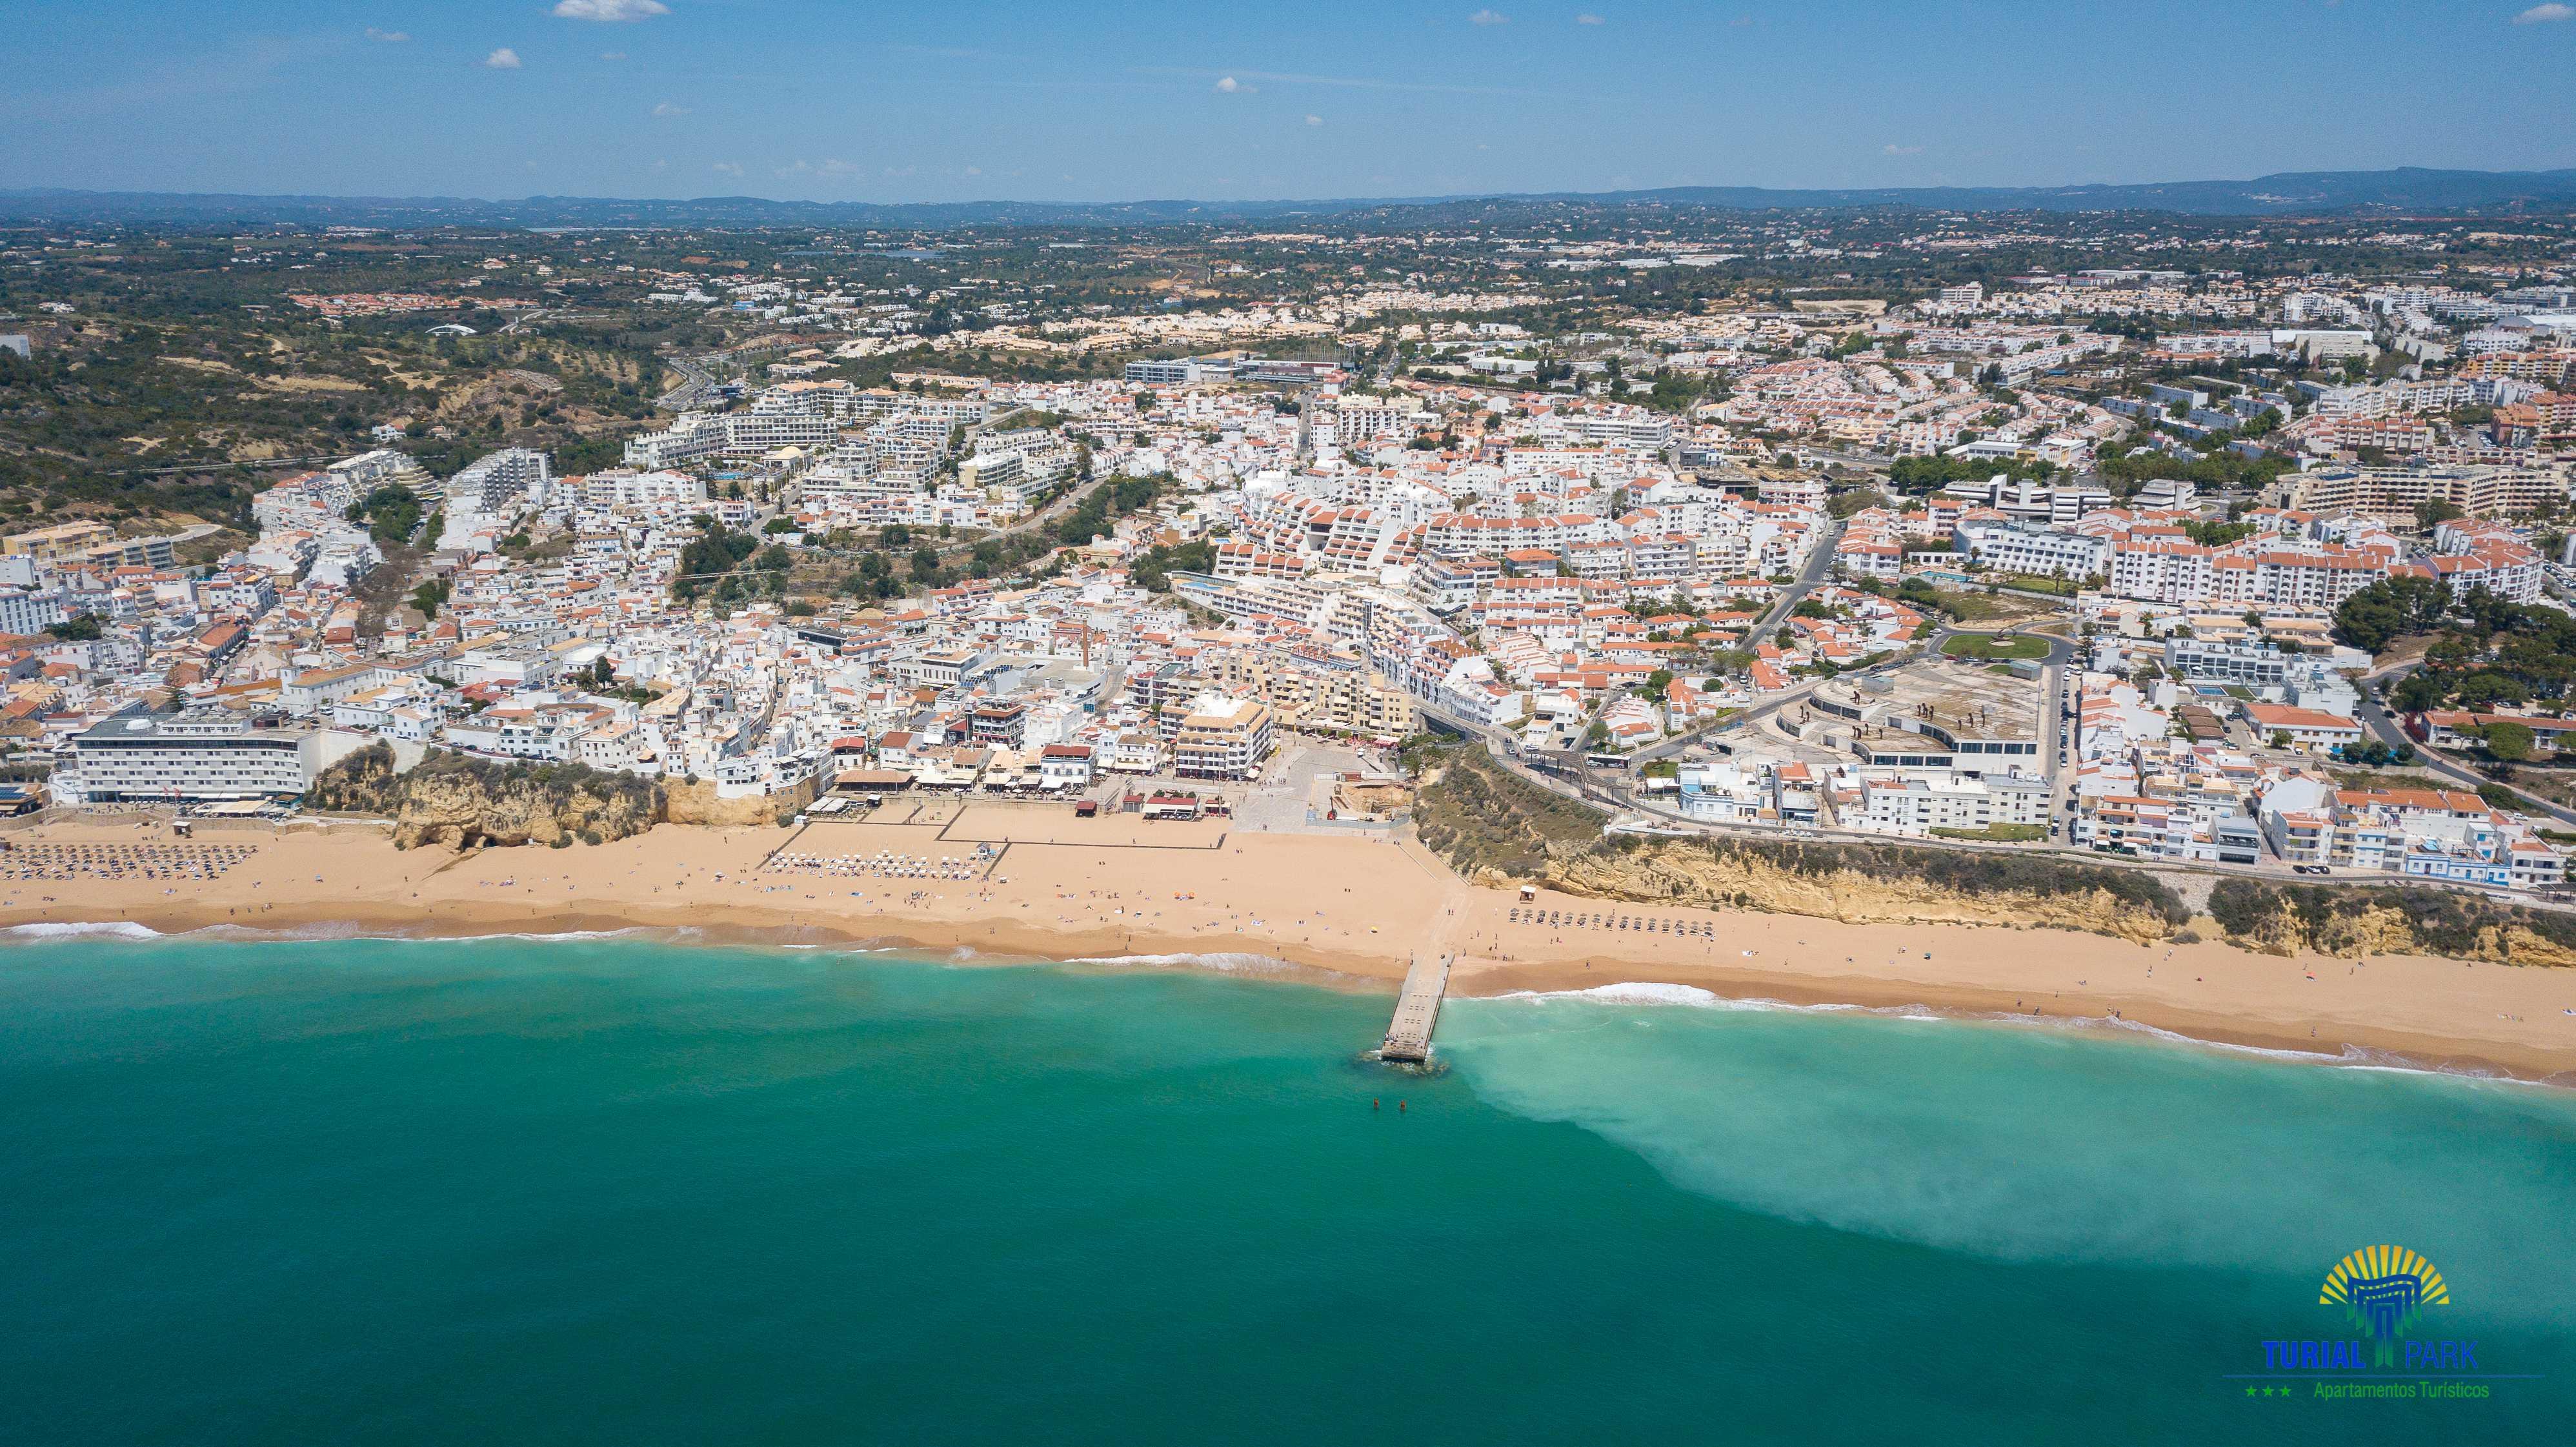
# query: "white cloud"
{"type": "Point", "coordinates": [388, 37]}
{"type": "Point", "coordinates": [2545, 14]}
{"type": "Point", "coordinates": [1228, 85]}
{"type": "Point", "coordinates": [1314, 120]}
{"type": "Point", "coordinates": [610, 10]}
{"type": "Point", "coordinates": [1589, 20]}
{"type": "Point", "coordinates": [730, 168]}
{"type": "Point", "coordinates": [1742, 22]}
{"type": "Point", "coordinates": [1354, 82]}
{"type": "Point", "coordinates": [502, 59]}
{"type": "Point", "coordinates": [1893, 149]}
{"type": "Point", "coordinates": [837, 168]}
{"type": "Point", "coordinates": [1488, 17]}
{"type": "Point", "coordinates": [974, 170]}
{"type": "Point", "coordinates": [668, 109]}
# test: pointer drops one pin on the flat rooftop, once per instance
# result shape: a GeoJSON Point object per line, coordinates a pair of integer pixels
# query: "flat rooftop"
{"type": "Point", "coordinates": [1962, 699]}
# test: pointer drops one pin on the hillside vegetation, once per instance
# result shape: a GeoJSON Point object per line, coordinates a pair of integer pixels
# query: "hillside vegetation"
{"type": "Point", "coordinates": [2352, 921]}
{"type": "Point", "coordinates": [1495, 827]}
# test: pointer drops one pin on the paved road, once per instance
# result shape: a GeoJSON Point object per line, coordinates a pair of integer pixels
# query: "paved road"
{"type": "Point", "coordinates": [1705, 732]}
{"type": "Point", "coordinates": [697, 383]}
{"type": "Point", "coordinates": [2383, 726]}
{"type": "Point", "coordinates": [1564, 775]}
{"type": "Point", "coordinates": [1820, 561]}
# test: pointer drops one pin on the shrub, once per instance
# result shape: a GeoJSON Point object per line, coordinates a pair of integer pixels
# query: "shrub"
{"type": "Point", "coordinates": [1479, 814]}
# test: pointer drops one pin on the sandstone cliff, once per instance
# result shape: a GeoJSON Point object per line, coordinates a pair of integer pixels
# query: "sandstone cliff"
{"type": "Point", "coordinates": [2353, 921]}
{"type": "Point", "coordinates": [1687, 872]}
{"type": "Point", "coordinates": [461, 802]}
{"type": "Point", "coordinates": [1493, 826]}
{"type": "Point", "coordinates": [695, 802]}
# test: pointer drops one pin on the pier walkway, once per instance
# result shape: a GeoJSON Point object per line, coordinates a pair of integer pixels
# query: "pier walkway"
{"type": "Point", "coordinates": [1417, 1011]}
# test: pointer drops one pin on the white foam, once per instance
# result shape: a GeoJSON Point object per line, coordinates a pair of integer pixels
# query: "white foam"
{"type": "Point", "coordinates": [1646, 992]}
{"type": "Point", "coordinates": [2063, 1147]}
{"type": "Point", "coordinates": [99, 929]}
{"type": "Point", "coordinates": [1638, 992]}
{"type": "Point", "coordinates": [2349, 1057]}
{"type": "Point", "coordinates": [1237, 963]}
{"type": "Point", "coordinates": [629, 933]}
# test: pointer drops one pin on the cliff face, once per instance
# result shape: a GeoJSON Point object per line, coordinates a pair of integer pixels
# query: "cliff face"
{"type": "Point", "coordinates": [2355, 921]}
{"type": "Point", "coordinates": [460, 811]}
{"type": "Point", "coordinates": [462, 802]}
{"type": "Point", "coordinates": [696, 803]}
{"type": "Point", "coordinates": [1494, 826]}
{"type": "Point", "coordinates": [1684, 873]}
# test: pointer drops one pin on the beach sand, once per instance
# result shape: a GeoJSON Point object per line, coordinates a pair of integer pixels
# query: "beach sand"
{"type": "Point", "coordinates": [1355, 905]}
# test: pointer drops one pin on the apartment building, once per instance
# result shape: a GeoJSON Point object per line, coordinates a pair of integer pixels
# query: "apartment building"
{"type": "Point", "coordinates": [200, 754]}
{"type": "Point", "coordinates": [1222, 737]}
{"type": "Point", "coordinates": [57, 545]}
{"type": "Point", "coordinates": [2037, 551]}
{"type": "Point", "coordinates": [2252, 665]}
{"type": "Point", "coordinates": [1916, 804]}
{"type": "Point", "coordinates": [2306, 728]}
{"type": "Point", "coordinates": [2394, 493]}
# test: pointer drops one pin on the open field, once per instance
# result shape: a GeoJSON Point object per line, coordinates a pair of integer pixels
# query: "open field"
{"type": "Point", "coordinates": [1988, 648]}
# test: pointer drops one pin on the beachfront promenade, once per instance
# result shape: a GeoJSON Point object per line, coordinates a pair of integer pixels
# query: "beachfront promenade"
{"type": "Point", "coordinates": [1417, 1010]}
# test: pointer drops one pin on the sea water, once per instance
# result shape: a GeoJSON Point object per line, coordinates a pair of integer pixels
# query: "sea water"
{"type": "Point", "coordinates": [613, 1190]}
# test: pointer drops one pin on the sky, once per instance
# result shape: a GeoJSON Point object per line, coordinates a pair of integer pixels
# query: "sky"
{"type": "Point", "coordinates": [950, 100]}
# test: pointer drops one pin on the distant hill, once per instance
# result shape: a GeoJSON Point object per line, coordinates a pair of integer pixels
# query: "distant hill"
{"type": "Point", "coordinates": [2407, 190]}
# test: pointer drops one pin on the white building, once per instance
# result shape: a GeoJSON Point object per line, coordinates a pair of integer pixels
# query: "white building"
{"type": "Point", "coordinates": [200, 754]}
{"type": "Point", "coordinates": [1916, 804]}
{"type": "Point", "coordinates": [2020, 548]}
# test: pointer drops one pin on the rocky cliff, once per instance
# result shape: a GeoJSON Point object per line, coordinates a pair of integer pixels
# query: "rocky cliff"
{"type": "Point", "coordinates": [1693, 872]}
{"type": "Point", "coordinates": [461, 802]}
{"type": "Point", "coordinates": [2353, 921]}
{"type": "Point", "coordinates": [1493, 826]}
{"type": "Point", "coordinates": [695, 802]}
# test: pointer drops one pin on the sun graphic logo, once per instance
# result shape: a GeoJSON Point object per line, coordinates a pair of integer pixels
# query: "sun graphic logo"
{"type": "Point", "coordinates": [2381, 1289]}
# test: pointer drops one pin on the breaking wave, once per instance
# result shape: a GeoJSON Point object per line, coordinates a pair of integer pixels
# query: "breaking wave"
{"type": "Point", "coordinates": [99, 929]}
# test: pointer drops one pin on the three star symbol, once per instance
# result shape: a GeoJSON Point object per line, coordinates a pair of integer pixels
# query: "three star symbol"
{"type": "Point", "coordinates": [2266, 1391]}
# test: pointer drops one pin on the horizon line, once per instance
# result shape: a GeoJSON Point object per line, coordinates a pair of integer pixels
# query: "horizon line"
{"type": "Point", "coordinates": [2063, 188]}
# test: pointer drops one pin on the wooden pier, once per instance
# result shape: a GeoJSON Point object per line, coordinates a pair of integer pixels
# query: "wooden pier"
{"type": "Point", "coordinates": [1417, 1011]}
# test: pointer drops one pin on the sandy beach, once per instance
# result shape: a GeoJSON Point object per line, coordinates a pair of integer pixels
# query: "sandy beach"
{"type": "Point", "coordinates": [1040, 884]}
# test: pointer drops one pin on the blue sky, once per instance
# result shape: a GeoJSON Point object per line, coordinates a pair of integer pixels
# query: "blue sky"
{"type": "Point", "coordinates": [967, 99]}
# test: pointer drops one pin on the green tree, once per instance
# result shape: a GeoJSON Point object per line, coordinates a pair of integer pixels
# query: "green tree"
{"type": "Point", "coordinates": [2376, 615]}
{"type": "Point", "coordinates": [2511, 742]}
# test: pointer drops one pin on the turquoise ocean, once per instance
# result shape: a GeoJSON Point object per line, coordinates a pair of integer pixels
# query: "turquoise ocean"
{"type": "Point", "coordinates": [626, 1191]}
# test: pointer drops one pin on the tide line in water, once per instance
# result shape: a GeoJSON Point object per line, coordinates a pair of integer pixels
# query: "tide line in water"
{"type": "Point", "coordinates": [2351, 1057]}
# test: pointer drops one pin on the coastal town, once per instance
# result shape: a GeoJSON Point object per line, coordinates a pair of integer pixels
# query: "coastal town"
{"type": "Point", "coordinates": [803, 722]}
{"type": "Point", "coordinates": [2075, 561]}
